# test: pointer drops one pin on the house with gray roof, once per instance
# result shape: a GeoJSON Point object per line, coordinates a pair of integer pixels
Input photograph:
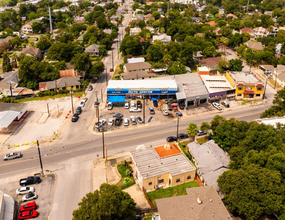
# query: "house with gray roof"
{"type": "Point", "coordinates": [10, 77]}
{"type": "Point", "coordinates": [93, 50]}
{"type": "Point", "coordinates": [68, 83]}
{"type": "Point", "coordinates": [254, 45]}
{"type": "Point", "coordinates": [210, 160]}
{"type": "Point", "coordinates": [31, 51]}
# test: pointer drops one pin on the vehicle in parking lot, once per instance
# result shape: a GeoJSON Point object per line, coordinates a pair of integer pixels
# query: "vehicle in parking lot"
{"type": "Point", "coordinates": [118, 121]}
{"type": "Point", "coordinates": [30, 196]}
{"type": "Point", "coordinates": [169, 100]}
{"type": "Point", "coordinates": [174, 106]}
{"type": "Point", "coordinates": [78, 110]}
{"type": "Point", "coordinates": [139, 119]}
{"type": "Point", "coordinates": [181, 105]}
{"type": "Point", "coordinates": [133, 120]}
{"type": "Point", "coordinates": [102, 121]}
{"type": "Point", "coordinates": [111, 121]}
{"type": "Point", "coordinates": [183, 136]}
{"type": "Point", "coordinates": [85, 99]}
{"type": "Point", "coordinates": [30, 180]}
{"type": "Point", "coordinates": [217, 106]}
{"type": "Point", "coordinates": [135, 110]}
{"type": "Point", "coordinates": [151, 111]}
{"type": "Point", "coordinates": [139, 104]}
{"type": "Point", "coordinates": [110, 105]}
{"type": "Point", "coordinates": [127, 105]}
{"type": "Point", "coordinates": [24, 190]}
{"type": "Point", "coordinates": [133, 104]}
{"type": "Point", "coordinates": [164, 111]}
{"type": "Point", "coordinates": [227, 105]}
{"type": "Point", "coordinates": [179, 114]}
{"type": "Point", "coordinates": [28, 207]}
{"type": "Point", "coordinates": [75, 117]}
{"type": "Point", "coordinates": [82, 104]}
{"type": "Point", "coordinates": [126, 121]}
{"type": "Point", "coordinates": [169, 106]}
{"type": "Point", "coordinates": [12, 155]}
{"type": "Point", "coordinates": [199, 132]}
{"type": "Point", "coordinates": [28, 214]}
{"type": "Point", "coordinates": [118, 115]}
{"type": "Point", "coordinates": [171, 139]}
{"type": "Point", "coordinates": [155, 104]}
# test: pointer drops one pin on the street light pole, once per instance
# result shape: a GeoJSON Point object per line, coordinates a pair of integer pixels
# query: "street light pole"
{"type": "Point", "coordinates": [177, 126]}
{"type": "Point", "coordinates": [265, 88]}
{"type": "Point", "coordinates": [40, 157]}
{"type": "Point", "coordinates": [71, 102]}
{"type": "Point", "coordinates": [103, 141]}
{"type": "Point", "coordinates": [113, 60]}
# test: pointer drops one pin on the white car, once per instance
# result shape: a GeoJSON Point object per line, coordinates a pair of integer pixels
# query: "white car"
{"type": "Point", "coordinates": [30, 196]}
{"type": "Point", "coordinates": [164, 111]}
{"type": "Point", "coordinates": [133, 120]}
{"type": "Point", "coordinates": [24, 190]}
{"type": "Point", "coordinates": [217, 106]}
{"type": "Point", "coordinates": [135, 110]}
{"type": "Point", "coordinates": [127, 105]}
{"type": "Point", "coordinates": [133, 104]}
{"type": "Point", "coordinates": [84, 99]}
{"type": "Point", "coordinates": [110, 105]}
{"type": "Point", "coordinates": [82, 104]}
{"type": "Point", "coordinates": [102, 121]}
{"type": "Point", "coordinates": [126, 121]}
{"type": "Point", "coordinates": [111, 121]}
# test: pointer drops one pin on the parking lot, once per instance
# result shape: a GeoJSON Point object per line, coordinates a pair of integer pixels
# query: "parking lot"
{"type": "Point", "coordinates": [44, 190]}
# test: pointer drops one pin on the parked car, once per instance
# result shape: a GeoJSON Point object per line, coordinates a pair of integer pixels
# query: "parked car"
{"type": "Point", "coordinates": [151, 111]}
{"type": "Point", "coordinates": [24, 190]}
{"type": "Point", "coordinates": [133, 104]}
{"type": "Point", "coordinates": [139, 104]}
{"type": "Point", "coordinates": [133, 120]}
{"type": "Point", "coordinates": [181, 105]}
{"type": "Point", "coordinates": [169, 106]}
{"type": "Point", "coordinates": [227, 105]}
{"type": "Point", "coordinates": [135, 109]}
{"type": "Point", "coordinates": [102, 121]}
{"type": "Point", "coordinates": [28, 207]}
{"type": "Point", "coordinates": [90, 88]}
{"type": "Point", "coordinates": [217, 105]}
{"type": "Point", "coordinates": [164, 111]}
{"type": "Point", "coordinates": [12, 155]}
{"type": "Point", "coordinates": [97, 124]}
{"type": "Point", "coordinates": [111, 69]}
{"type": "Point", "coordinates": [126, 121]}
{"type": "Point", "coordinates": [85, 99]}
{"type": "Point", "coordinates": [174, 106]}
{"type": "Point", "coordinates": [28, 214]}
{"type": "Point", "coordinates": [171, 139]}
{"type": "Point", "coordinates": [30, 196]}
{"type": "Point", "coordinates": [111, 121]}
{"type": "Point", "coordinates": [183, 136]}
{"type": "Point", "coordinates": [139, 119]}
{"type": "Point", "coordinates": [82, 104]}
{"type": "Point", "coordinates": [200, 132]}
{"type": "Point", "coordinates": [118, 115]}
{"type": "Point", "coordinates": [127, 105]}
{"type": "Point", "coordinates": [179, 114]}
{"type": "Point", "coordinates": [75, 117]}
{"type": "Point", "coordinates": [118, 121]}
{"type": "Point", "coordinates": [155, 104]}
{"type": "Point", "coordinates": [169, 100]}
{"type": "Point", "coordinates": [78, 110]}
{"type": "Point", "coordinates": [30, 180]}
{"type": "Point", "coordinates": [110, 105]}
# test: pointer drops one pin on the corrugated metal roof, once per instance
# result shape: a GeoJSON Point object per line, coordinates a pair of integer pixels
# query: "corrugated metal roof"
{"type": "Point", "coordinates": [7, 117]}
{"type": "Point", "coordinates": [141, 84]}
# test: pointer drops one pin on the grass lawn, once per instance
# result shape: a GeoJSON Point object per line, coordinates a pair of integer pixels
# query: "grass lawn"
{"type": "Point", "coordinates": [116, 73]}
{"type": "Point", "coordinates": [123, 184]}
{"type": "Point", "coordinates": [202, 140]}
{"type": "Point", "coordinates": [3, 2]}
{"type": "Point", "coordinates": [31, 39]}
{"type": "Point", "coordinates": [171, 191]}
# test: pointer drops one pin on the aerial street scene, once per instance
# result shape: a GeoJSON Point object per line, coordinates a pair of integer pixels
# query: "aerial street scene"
{"type": "Point", "coordinates": [142, 110]}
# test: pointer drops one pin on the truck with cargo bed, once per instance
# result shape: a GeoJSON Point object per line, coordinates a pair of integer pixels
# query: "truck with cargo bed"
{"type": "Point", "coordinates": [30, 180]}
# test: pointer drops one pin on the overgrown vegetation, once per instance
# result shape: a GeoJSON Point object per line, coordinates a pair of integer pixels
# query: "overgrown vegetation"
{"type": "Point", "coordinates": [127, 179]}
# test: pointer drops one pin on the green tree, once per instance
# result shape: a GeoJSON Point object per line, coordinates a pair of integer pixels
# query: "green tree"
{"type": "Point", "coordinates": [205, 126]}
{"type": "Point", "coordinates": [141, 24]}
{"type": "Point", "coordinates": [76, 28]}
{"type": "Point", "coordinates": [37, 27]}
{"type": "Point", "coordinates": [102, 50]}
{"type": "Point", "coordinates": [82, 63]}
{"type": "Point", "coordinates": [278, 107]}
{"type": "Point", "coordinates": [235, 65]}
{"type": "Point", "coordinates": [223, 65]}
{"type": "Point", "coordinates": [97, 69]}
{"type": "Point", "coordinates": [15, 42]}
{"type": "Point", "coordinates": [60, 51]}
{"type": "Point", "coordinates": [192, 130]}
{"type": "Point", "coordinates": [61, 65]}
{"type": "Point", "coordinates": [108, 203]}
{"type": "Point", "coordinates": [6, 65]}
{"type": "Point", "coordinates": [209, 52]}
{"type": "Point", "coordinates": [43, 44]}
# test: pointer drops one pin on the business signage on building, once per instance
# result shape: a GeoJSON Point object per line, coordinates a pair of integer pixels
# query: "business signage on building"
{"type": "Point", "coordinates": [141, 91]}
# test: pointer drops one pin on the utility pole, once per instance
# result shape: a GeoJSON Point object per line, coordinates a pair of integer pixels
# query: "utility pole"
{"type": "Point", "coordinates": [113, 60]}
{"type": "Point", "coordinates": [11, 90]}
{"type": "Point", "coordinates": [40, 157]}
{"type": "Point", "coordinates": [177, 126]}
{"type": "Point", "coordinates": [106, 77]}
{"type": "Point", "coordinates": [144, 110]}
{"type": "Point", "coordinates": [275, 79]}
{"type": "Point", "coordinates": [50, 21]}
{"type": "Point", "coordinates": [103, 141]}
{"type": "Point", "coordinates": [118, 46]}
{"type": "Point", "coordinates": [101, 95]}
{"type": "Point", "coordinates": [265, 88]}
{"type": "Point", "coordinates": [247, 6]}
{"type": "Point", "coordinates": [71, 102]}
{"type": "Point", "coordinates": [47, 109]}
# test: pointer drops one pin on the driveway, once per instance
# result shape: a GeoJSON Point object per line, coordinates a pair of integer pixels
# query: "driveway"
{"type": "Point", "coordinates": [230, 54]}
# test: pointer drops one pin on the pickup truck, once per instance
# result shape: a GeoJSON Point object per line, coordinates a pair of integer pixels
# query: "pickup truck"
{"type": "Point", "coordinates": [30, 180]}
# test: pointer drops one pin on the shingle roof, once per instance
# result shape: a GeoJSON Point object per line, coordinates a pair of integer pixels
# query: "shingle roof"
{"type": "Point", "coordinates": [137, 66]}
{"type": "Point", "coordinates": [12, 77]}
{"type": "Point", "coordinates": [211, 61]}
{"type": "Point", "coordinates": [136, 75]}
{"type": "Point", "coordinates": [254, 45]}
{"type": "Point", "coordinates": [31, 51]}
{"type": "Point", "coordinates": [186, 207]}
{"type": "Point", "coordinates": [281, 76]}
{"type": "Point", "coordinates": [92, 48]}
{"type": "Point", "coordinates": [60, 83]}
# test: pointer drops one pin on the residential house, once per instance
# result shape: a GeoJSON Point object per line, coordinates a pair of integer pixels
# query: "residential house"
{"type": "Point", "coordinates": [119, 2]}
{"type": "Point", "coordinates": [31, 51]}
{"type": "Point", "coordinates": [114, 18]}
{"type": "Point", "coordinates": [114, 23]}
{"type": "Point", "coordinates": [69, 83]}
{"type": "Point", "coordinates": [135, 31]}
{"type": "Point", "coordinates": [80, 38]}
{"type": "Point", "coordinates": [10, 77]}
{"type": "Point", "coordinates": [200, 34]}
{"type": "Point", "coordinates": [271, 121]}
{"type": "Point", "coordinates": [231, 15]}
{"type": "Point", "coordinates": [254, 45]}
{"type": "Point", "coordinates": [211, 63]}
{"type": "Point", "coordinates": [133, 67]}
{"type": "Point", "coordinates": [85, 13]}
{"type": "Point", "coordinates": [161, 166]}
{"type": "Point", "coordinates": [6, 87]}
{"type": "Point", "coordinates": [198, 56]}
{"type": "Point", "coordinates": [137, 75]}
{"type": "Point", "coordinates": [280, 73]}
{"type": "Point", "coordinates": [221, 11]}
{"type": "Point", "coordinates": [136, 60]}
{"type": "Point", "coordinates": [260, 32]}
{"type": "Point", "coordinates": [200, 203]}
{"type": "Point", "coordinates": [68, 73]}
{"type": "Point", "coordinates": [210, 160]}
{"type": "Point", "coordinates": [196, 19]}
{"type": "Point", "coordinates": [268, 13]}
{"type": "Point", "coordinates": [6, 39]}
{"type": "Point", "coordinates": [93, 50]}
{"type": "Point", "coordinates": [27, 28]}
{"type": "Point", "coordinates": [107, 31]}
{"type": "Point", "coordinates": [148, 17]}
{"type": "Point", "coordinates": [139, 17]}
{"type": "Point", "coordinates": [20, 92]}
{"type": "Point", "coordinates": [211, 23]}
{"type": "Point", "coordinates": [164, 38]}
{"type": "Point", "coordinates": [64, 9]}
{"type": "Point", "coordinates": [246, 84]}
{"type": "Point", "coordinates": [248, 30]}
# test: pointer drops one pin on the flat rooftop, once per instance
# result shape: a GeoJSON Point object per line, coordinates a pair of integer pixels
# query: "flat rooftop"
{"type": "Point", "coordinates": [142, 84]}
{"type": "Point", "coordinates": [150, 164]}
{"type": "Point", "coordinates": [216, 83]}
{"type": "Point", "coordinates": [244, 77]}
{"type": "Point", "coordinates": [162, 152]}
{"type": "Point", "coordinates": [203, 68]}
{"type": "Point", "coordinates": [271, 121]}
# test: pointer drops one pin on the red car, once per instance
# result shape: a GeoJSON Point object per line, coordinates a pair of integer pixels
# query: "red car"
{"type": "Point", "coordinates": [28, 214]}
{"type": "Point", "coordinates": [175, 108]}
{"type": "Point", "coordinates": [28, 207]}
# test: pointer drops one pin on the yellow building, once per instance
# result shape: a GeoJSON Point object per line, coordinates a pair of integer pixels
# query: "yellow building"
{"type": "Point", "coordinates": [247, 85]}
{"type": "Point", "coordinates": [162, 166]}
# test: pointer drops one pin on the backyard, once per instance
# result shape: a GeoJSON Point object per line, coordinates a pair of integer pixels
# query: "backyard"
{"type": "Point", "coordinates": [171, 191]}
{"type": "Point", "coordinates": [202, 140]}
{"type": "Point", "coordinates": [127, 179]}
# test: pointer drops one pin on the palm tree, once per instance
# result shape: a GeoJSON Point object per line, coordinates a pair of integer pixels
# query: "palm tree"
{"type": "Point", "coordinates": [192, 130]}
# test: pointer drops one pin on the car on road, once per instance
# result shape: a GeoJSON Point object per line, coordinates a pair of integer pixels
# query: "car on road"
{"type": "Point", "coordinates": [179, 114]}
{"type": "Point", "coordinates": [84, 99]}
{"type": "Point", "coordinates": [28, 214]}
{"type": "Point", "coordinates": [110, 105]}
{"type": "Point", "coordinates": [139, 104]}
{"type": "Point", "coordinates": [139, 119]}
{"type": "Point", "coordinates": [169, 106]}
{"type": "Point", "coordinates": [171, 139]}
{"type": "Point", "coordinates": [96, 103]}
{"type": "Point", "coordinates": [165, 112]}
{"type": "Point", "coordinates": [127, 105]}
{"type": "Point", "coordinates": [75, 117]}
{"type": "Point", "coordinates": [200, 132]}
{"type": "Point", "coordinates": [133, 104]}
{"type": "Point", "coordinates": [118, 115]}
{"type": "Point", "coordinates": [183, 136]}
{"type": "Point", "coordinates": [174, 106]}
{"type": "Point", "coordinates": [111, 69]}
{"type": "Point", "coordinates": [227, 105]}
{"type": "Point", "coordinates": [28, 207]}
{"type": "Point", "coordinates": [78, 110]}
{"type": "Point", "coordinates": [30, 196]}
{"type": "Point", "coordinates": [25, 190]}
{"type": "Point", "coordinates": [12, 155]}
{"type": "Point", "coordinates": [151, 111]}
{"type": "Point", "coordinates": [90, 88]}
{"type": "Point", "coordinates": [135, 109]}
{"type": "Point", "coordinates": [111, 121]}
{"type": "Point", "coordinates": [133, 120]}
{"type": "Point", "coordinates": [217, 106]}
{"type": "Point", "coordinates": [82, 104]}
{"type": "Point", "coordinates": [126, 122]}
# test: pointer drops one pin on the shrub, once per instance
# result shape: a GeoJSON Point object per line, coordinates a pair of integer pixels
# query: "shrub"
{"type": "Point", "coordinates": [128, 172]}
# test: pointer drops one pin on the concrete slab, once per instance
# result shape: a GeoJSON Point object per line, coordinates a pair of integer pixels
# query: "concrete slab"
{"type": "Point", "coordinates": [138, 195]}
{"type": "Point", "coordinates": [43, 118]}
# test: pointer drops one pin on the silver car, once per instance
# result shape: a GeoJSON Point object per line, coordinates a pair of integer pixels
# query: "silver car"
{"type": "Point", "coordinates": [25, 190]}
{"type": "Point", "coordinates": [30, 196]}
{"type": "Point", "coordinates": [12, 156]}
